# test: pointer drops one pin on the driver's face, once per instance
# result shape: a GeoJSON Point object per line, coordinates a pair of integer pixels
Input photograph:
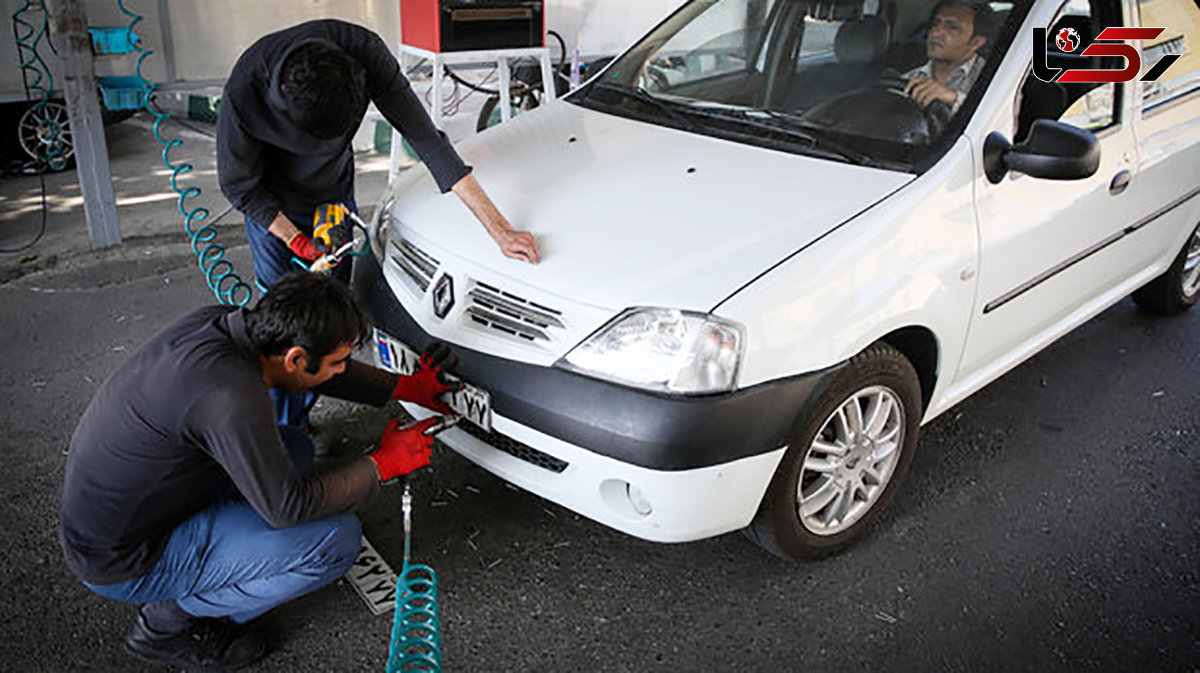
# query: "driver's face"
{"type": "Point", "coordinates": [951, 38]}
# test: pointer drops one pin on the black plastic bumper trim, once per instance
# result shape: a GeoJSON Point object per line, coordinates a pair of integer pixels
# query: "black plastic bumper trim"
{"type": "Point", "coordinates": [651, 430]}
{"type": "Point", "coordinates": [512, 447]}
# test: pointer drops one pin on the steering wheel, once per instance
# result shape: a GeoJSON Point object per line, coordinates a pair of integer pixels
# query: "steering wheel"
{"type": "Point", "coordinates": [874, 112]}
{"type": "Point", "coordinates": [938, 112]}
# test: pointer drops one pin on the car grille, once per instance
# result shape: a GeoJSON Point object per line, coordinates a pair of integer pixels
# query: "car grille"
{"type": "Point", "coordinates": [514, 448]}
{"type": "Point", "coordinates": [509, 314]}
{"type": "Point", "coordinates": [417, 264]}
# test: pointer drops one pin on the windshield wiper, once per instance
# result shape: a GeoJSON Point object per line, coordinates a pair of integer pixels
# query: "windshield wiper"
{"type": "Point", "coordinates": [639, 94]}
{"type": "Point", "coordinates": [788, 124]}
{"type": "Point", "coordinates": [690, 114]}
{"type": "Point", "coordinates": [820, 135]}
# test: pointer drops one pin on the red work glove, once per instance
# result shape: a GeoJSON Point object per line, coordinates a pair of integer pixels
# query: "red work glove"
{"type": "Point", "coordinates": [428, 382]}
{"type": "Point", "coordinates": [303, 247]}
{"type": "Point", "coordinates": [403, 450]}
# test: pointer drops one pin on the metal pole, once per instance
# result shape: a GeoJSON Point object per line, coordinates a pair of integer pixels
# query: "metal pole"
{"type": "Point", "coordinates": [68, 27]}
{"type": "Point", "coordinates": [168, 40]}
{"type": "Point", "coordinates": [505, 87]}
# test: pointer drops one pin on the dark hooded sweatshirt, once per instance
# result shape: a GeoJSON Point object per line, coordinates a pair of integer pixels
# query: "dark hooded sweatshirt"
{"type": "Point", "coordinates": [267, 164]}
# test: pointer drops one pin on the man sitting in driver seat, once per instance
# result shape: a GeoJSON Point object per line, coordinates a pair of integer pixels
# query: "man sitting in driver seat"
{"type": "Point", "coordinates": [958, 31]}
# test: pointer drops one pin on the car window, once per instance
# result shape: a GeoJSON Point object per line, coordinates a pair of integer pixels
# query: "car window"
{"type": "Point", "coordinates": [830, 79]}
{"type": "Point", "coordinates": [1094, 110]}
{"type": "Point", "coordinates": [1090, 106]}
{"type": "Point", "coordinates": [1181, 18]}
{"type": "Point", "coordinates": [725, 39]}
{"type": "Point", "coordinates": [819, 35]}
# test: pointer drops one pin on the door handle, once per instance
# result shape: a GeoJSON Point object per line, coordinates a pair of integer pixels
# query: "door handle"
{"type": "Point", "coordinates": [1119, 182]}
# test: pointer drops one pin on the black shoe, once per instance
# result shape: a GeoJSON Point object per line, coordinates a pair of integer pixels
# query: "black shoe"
{"type": "Point", "coordinates": [206, 645]}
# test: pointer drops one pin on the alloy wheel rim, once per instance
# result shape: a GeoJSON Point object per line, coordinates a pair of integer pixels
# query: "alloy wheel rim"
{"type": "Point", "coordinates": [851, 460]}
{"type": "Point", "coordinates": [46, 133]}
{"type": "Point", "coordinates": [1191, 266]}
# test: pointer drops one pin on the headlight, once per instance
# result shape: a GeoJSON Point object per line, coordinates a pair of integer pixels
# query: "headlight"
{"type": "Point", "coordinates": [664, 350]}
{"type": "Point", "coordinates": [379, 227]}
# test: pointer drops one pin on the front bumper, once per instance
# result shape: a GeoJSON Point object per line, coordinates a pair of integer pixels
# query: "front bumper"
{"type": "Point", "coordinates": [702, 463]}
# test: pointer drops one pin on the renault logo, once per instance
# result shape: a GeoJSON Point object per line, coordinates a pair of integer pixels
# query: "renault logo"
{"type": "Point", "coordinates": [443, 296]}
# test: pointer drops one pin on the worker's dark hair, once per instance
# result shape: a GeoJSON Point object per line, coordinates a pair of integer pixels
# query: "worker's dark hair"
{"type": "Point", "coordinates": [983, 20]}
{"type": "Point", "coordinates": [324, 88]}
{"type": "Point", "coordinates": [316, 312]}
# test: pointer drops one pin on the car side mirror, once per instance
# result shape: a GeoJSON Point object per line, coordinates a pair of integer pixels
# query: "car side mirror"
{"type": "Point", "coordinates": [1053, 150]}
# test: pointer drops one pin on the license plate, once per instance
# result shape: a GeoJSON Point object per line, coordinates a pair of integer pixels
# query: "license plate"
{"type": "Point", "coordinates": [474, 404]}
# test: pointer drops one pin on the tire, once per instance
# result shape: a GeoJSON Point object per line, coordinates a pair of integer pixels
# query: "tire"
{"type": "Point", "coordinates": [883, 385]}
{"type": "Point", "coordinates": [1177, 289]}
{"type": "Point", "coordinates": [489, 114]}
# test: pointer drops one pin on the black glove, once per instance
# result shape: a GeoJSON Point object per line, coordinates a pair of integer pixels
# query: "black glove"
{"type": "Point", "coordinates": [436, 354]}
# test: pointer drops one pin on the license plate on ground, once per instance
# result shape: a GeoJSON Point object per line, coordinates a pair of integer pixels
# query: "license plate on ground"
{"type": "Point", "coordinates": [474, 404]}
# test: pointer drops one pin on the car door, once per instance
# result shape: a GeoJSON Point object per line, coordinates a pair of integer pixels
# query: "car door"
{"type": "Point", "coordinates": [1168, 132]}
{"type": "Point", "coordinates": [1046, 246]}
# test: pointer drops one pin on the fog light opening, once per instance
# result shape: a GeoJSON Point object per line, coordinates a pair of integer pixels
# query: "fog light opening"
{"type": "Point", "coordinates": [625, 499]}
{"type": "Point", "coordinates": [638, 500]}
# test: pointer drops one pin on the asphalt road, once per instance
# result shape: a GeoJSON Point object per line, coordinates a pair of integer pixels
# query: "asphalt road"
{"type": "Point", "coordinates": [1048, 523]}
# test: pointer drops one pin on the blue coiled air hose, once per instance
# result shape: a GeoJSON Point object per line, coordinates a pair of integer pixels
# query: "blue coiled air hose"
{"type": "Point", "coordinates": [228, 287]}
{"type": "Point", "coordinates": [416, 630]}
{"type": "Point", "coordinates": [38, 81]}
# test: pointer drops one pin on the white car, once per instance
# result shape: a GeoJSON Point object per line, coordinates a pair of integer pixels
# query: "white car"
{"type": "Point", "coordinates": [765, 267]}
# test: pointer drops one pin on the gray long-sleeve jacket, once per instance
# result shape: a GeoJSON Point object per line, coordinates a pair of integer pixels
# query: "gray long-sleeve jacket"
{"type": "Point", "coordinates": [267, 164]}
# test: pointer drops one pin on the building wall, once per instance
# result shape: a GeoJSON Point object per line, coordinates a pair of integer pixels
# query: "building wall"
{"type": "Point", "coordinates": [605, 26]}
{"type": "Point", "coordinates": [210, 34]}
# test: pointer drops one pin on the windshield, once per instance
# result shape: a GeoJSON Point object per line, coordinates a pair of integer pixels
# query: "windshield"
{"type": "Point", "coordinates": [875, 82]}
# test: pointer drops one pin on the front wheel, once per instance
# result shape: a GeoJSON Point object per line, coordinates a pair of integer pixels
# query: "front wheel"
{"type": "Point", "coordinates": [847, 459]}
{"type": "Point", "coordinates": [1177, 289]}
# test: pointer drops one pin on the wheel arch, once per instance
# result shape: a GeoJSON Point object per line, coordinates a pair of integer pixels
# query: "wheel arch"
{"type": "Point", "coordinates": [920, 346]}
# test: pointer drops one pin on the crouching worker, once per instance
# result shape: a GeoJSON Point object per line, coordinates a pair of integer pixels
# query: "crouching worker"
{"type": "Point", "coordinates": [182, 495]}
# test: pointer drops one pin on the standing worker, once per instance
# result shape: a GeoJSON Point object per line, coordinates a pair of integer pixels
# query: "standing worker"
{"type": "Point", "coordinates": [182, 494]}
{"type": "Point", "coordinates": [288, 114]}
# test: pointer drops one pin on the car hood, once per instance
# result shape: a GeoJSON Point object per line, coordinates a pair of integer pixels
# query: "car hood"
{"type": "Point", "coordinates": [628, 213]}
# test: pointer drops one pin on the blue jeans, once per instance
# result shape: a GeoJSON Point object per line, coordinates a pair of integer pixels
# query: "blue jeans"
{"type": "Point", "coordinates": [226, 561]}
{"type": "Point", "coordinates": [272, 259]}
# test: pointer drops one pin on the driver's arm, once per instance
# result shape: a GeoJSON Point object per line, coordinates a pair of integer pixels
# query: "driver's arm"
{"type": "Point", "coordinates": [925, 90]}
